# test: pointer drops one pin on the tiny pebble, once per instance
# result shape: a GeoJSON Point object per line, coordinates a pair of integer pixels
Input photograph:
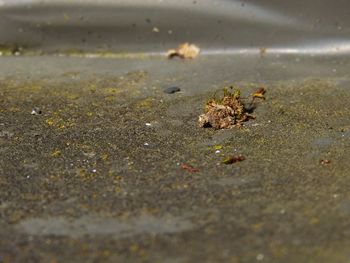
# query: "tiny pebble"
{"type": "Point", "coordinates": [36, 111]}
{"type": "Point", "coordinates": [171, 90]}
{"type": "Point", "coordinates": [217, 151]}
{"type": "Point", "coordinates": [148, 124]}
{"type": "Point", "coordinates": [269, 121]}
{"type": "Point", "coordinates": [260, 257]}
{"type": "Point", "coordinates": [94, 170]}
{"type": "Point", "coordinates": [146, 144]}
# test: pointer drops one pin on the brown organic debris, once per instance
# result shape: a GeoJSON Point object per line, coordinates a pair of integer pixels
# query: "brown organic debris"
{"type": "Point", "coordinates": [260, 93]}
{"type": "Point", "coordinates": [189, 168]}
{"type": "Point", "coordinates": [233, 159]}
{"type": "Point", "coordinates": [325, 161]}
{"type": "Point", "coordinates": [228, 111]}
{"type": "Point", "coordinates": [184, 50]}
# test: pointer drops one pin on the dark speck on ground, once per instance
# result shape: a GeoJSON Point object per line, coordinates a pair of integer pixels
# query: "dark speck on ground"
{"type": "Point", "coordinates": [171, 90]}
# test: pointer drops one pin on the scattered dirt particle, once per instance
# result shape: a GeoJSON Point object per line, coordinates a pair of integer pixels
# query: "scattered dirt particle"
{"type": "Point", "coordinates": [56, 153]}
{"type": "Point", "coordinates": [50, 122]}
{"type": "Point", "coordinates": [233, 159]}
{"type": "Point", "coordinates": [6, 134]}
{"type": "Point", "coordinates": [325, 161]}
{"type": "Point", "coordinates": [189, 168]}
{"type": "Point", "coordinates": [185, 50]}
{"type": "Point", "coordinates": [36, 111]}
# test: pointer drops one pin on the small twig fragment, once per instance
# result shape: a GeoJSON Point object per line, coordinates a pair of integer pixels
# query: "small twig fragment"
{"type": "Point", "coordinates": [189, 168]}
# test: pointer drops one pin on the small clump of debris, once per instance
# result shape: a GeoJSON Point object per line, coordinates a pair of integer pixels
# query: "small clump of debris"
{"type": "Point", "coordinates": [233, 159]}
{"type": "Point", "coordinates": [228, 111]}
{"type": "Point", "coordinates": [185, 50]}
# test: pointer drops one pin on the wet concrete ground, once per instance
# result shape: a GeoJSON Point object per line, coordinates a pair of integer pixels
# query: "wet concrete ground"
{"type": "Point", "coordinates": [97, 177]}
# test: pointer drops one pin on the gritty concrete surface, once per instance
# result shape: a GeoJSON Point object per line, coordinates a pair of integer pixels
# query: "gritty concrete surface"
{"type": "Point", "coordinates": [97, 177]}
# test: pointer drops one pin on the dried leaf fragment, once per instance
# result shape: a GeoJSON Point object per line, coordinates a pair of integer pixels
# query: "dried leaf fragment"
{"type": "Point", "coordinates": [260, 93]}
{"type": "Point", "coordinates": [184, 50]}
{"type": "Point", "coordinates": [189, 168]}
{"type": "Point", "coordinates": [233, 159]}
